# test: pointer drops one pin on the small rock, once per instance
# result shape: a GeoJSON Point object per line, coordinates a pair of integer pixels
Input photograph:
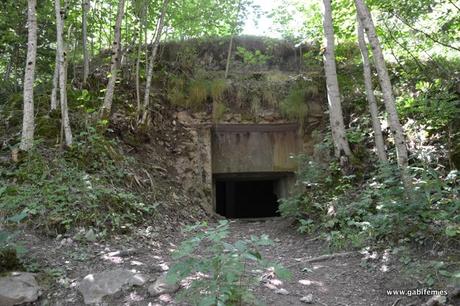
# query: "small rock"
{"type": "Point", "coordinates": [66, 242]}
{"type": "Point", "coordinates": [184, 117]}
{"type": "Point", "coordinates": [90, 235]}
{"type": "Point", "coordinates": [18, 288]}
{"type": "Point", "coordinates": [136, 263]}
{"type": "Point", "coordinates": [282, 291]}
{"type": "Point", "coordinates": [436, 300]}
{"type": "Point", "coordinates": [160, 286]}
{"type": "Point", "coordinates": [95, 286]}
{"type": "Point", "coordinates": [163, 266]}
{"type": "Point", "coordinates": [308, 299]}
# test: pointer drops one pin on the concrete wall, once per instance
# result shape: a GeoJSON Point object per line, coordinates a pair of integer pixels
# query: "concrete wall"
{"type": "Point", "coordinates": [237, 150]}
{"type": "Point", "coordinates": [245, 148]}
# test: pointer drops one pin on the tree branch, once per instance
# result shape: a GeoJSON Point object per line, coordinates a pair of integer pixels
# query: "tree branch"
{"type": "Point", "coordinates": [426, 34]}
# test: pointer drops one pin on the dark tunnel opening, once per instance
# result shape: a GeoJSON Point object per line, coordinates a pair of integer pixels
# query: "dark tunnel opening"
{"type": "Point", "coordinates": [253, 198]}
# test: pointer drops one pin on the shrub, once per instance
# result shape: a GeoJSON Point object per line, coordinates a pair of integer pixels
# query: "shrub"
{"type": "Point", "coordinates": [378, 210]}
{"type": "Point", "coordinates": [217, 88]}
{"type": "Point", "coordinates": [219, 276]}
{"type": "Point", "coordinates": [9, 250]}
{"type": "Point", "coordinates": [218, 110]}
{"type": "Point", "coordinates": [176, 92]}
{"type": "Point", "coordinates": [197, 93]}
{"type": "Point", "coordinates": [252, 58]}
{"type": "Point", "coordinates": [80, 187]}
{"type": "Point", "coordinates": [295, 106]}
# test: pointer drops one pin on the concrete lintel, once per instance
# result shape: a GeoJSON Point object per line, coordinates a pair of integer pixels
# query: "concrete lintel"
{"type": "Point", "coordinates": [262, 127]}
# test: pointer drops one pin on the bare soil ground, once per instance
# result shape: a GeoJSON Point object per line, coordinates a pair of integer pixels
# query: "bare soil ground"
{"type": "Point", "coordinates": [347, 280]}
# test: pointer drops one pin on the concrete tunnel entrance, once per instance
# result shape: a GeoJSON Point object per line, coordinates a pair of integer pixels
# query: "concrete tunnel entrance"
{"type": "Point", "coordinates": [252, 168]}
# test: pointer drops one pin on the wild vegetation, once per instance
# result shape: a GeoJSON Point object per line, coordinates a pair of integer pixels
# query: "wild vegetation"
{"type": "Point", "coordinates": [88, 137]}
{"type": "Point", "coordinates": [226, 263]}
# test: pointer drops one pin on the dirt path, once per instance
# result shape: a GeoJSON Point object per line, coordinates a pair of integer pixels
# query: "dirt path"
{"type": "Point", "coordinates": [350, 280]}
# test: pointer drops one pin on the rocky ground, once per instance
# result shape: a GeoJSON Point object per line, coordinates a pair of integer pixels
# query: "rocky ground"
{"type": "Point", "coordinates": [128, 269]}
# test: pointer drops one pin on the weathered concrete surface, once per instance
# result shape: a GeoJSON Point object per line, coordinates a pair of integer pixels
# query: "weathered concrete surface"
{"type": "Point", "coordinates": [243, 148]}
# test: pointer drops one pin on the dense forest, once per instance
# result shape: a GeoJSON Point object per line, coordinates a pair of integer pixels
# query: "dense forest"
{"type": "Point", "coordinates": [117, 121]}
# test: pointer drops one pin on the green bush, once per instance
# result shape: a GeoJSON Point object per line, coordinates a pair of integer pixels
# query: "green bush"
{"type": "Point", "coordinates": [197, 93]}
{"type": "Point", "coordinates": [219, 276]}
{"type": "Point", "coordinates": [295, 105]}
{"type": "Point", "coordinates": [83, 186]}
{"type": "Point", "coordinates": [378, 210]}
{"type": "Point", "coordinates": [252, 58]}
{"type": "Point", "coordinates": [9, 250]}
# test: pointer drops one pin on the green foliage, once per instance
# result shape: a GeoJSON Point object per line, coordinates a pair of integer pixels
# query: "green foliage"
{"type": "Point", "coordinates": [218, 111]}
{"type": "Point", "coordinates": [269, 97]}
{"type": "Point", "coordinates": [217, 88]}
{"type": "Point", "coordinates": [295, 105]}
{"type": "Point", "coordinates": [252, 58]}
{"type": "Point", "coordinates": [219, 275]}
{"type": "Point", "coordinates": [176, 91]}
{"type": "Point", "coordinates": [81, 187]}
{"type": "Point", "coordinates": [286, 16]}
{"type": "Point", "coordinates": [9, 260]}
{"type": "Point", "coordinates": [197, 93]}
{"type": "Point", "coordinates": [430, 272]}
{"type": "Point", "coordinates": [377, 210]}
{"type": "Point", "coordinates": [434, 106]}
{"type": "Point", "coordinates": [9, 250]}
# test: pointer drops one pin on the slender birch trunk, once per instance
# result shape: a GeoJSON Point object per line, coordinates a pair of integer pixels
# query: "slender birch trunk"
{"type": "Point", "coordinates": [28, 124]}
{"type": "Point", "coordinates": [62, 72]}
{"type": "Point", "coordinates": [138, 59]}
{"type": "Point", "coordinates": [100, 28]}
{"type": "Point", "coordinates": [230, 45]}
{"type": "Point", "coordinates": [146, 43]}
{"type": "Point", "coordinates": [229, 56]}
{"type": "Point", "coordinates": [378, 137]}
{"type": "Point", "coordinates": [342, 148]}
{"type": "Point", "coordinates": [385, 84]}
{"type": "Point", "coordinates": [54, 91]}
{"type": "Point", "coordinates": [156, 43]}
{"type": "Point", "coordinates": [116, 51]}
{"type": "Point", "coordinates": [138, 67]}
{"type": "Point", "coordinates": [85, 8]}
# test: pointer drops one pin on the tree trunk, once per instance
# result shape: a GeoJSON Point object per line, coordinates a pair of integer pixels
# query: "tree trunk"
{"type": "Point", "coordinates": [55, 84]}
{"type": "Point", "coordinates": [230, 46]}
{"type": "Point", "coordinates": [138, 59]}
{"type": "Point", "coordinates": [385, 84]}
{"type": "Point", "coordinates": [156, 42]}
{"type": "Point", "coordinates": [62, 72]}
{"type": "Point", "coordinates": [85, 8]}
{"type": "Point", "coordinates": [146, 43]}
{"type": "Point", "coordinates": [341, 146]}
{"type": "Point", "coordinates": [229, 56]}
{"type": "Point", "coordinates": [28, 124]}
{"type": "Point", "coordinates": [116, 50]}
{"type": "Point", "coordinates": [138, 67]}
{"type": "Point", "coordinates": [100, 27]}
{"type": "Point", "coordinates": [378, 137]}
